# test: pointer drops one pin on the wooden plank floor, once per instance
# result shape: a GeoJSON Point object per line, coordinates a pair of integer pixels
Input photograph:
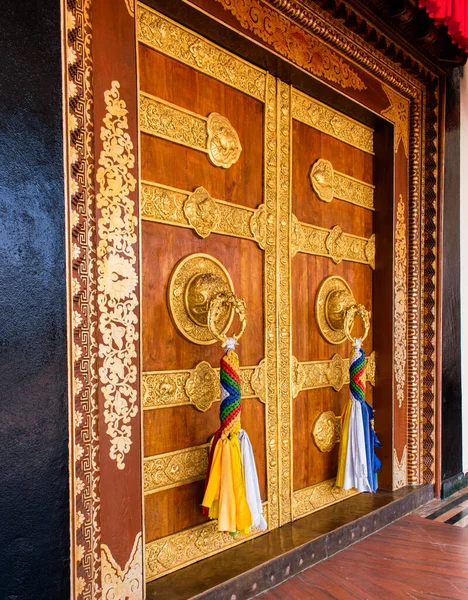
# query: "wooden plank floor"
{"type": "Point", "coordinates": [413, 558]}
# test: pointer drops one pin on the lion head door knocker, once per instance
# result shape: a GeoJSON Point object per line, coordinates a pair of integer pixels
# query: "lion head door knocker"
{"type": "Point", "coordinates": [336, 311]}
{"type": "Point", "coordinates": [194, 282]}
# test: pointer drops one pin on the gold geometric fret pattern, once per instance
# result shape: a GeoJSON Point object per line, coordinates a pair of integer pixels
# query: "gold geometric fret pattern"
{"type": "Point", "coordinates": [199, 211]}
{"type": "Point", "coordinates": [214, 134]}
{"type": "Point", "coordinates": [198, 386]}
{"type": "Point", "coordinates": [172, 469]}
{"type": "Point", "coordinates": [332, 243]}
{"type": "Point", "coordinates": [190, 545]}
{"type": "Point", "coordinates": [318, 496]}
{"type": "Point", "coordinates": [170, 38]}
{"type": "Point", "coordinates": [328, 184]}
{"type": "Point", "coordinates": [309, 111]}
{"type": "Point", "coordinates": [326, 373]}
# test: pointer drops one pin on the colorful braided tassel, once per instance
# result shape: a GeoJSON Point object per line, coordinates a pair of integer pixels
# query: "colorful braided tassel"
{"type": "Point", "coordinates": [357, 461]}
{"type": "Point", "coordinates": [232, 493]}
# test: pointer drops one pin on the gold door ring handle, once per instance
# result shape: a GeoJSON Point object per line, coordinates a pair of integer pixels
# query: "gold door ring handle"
{"type": "Point", "coordinates": [216, 309]}
{"type": "Point", "coordinates": [353, 311]}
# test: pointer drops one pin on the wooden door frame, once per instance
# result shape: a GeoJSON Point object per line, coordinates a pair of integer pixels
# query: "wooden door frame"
{"type": "Point", "coordinates": [100, 111]}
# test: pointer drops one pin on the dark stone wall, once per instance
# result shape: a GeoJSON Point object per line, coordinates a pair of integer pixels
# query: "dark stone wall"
{"type": "Point", "coordinates": [34, 538]}
{"type": "Point", "coordinates": [451, 358]}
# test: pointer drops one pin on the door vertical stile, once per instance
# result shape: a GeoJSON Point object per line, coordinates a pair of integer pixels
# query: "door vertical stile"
{"type": "Point", "coordinates": [284, 299]}
{"type": "Point", "coordinates": [271, 302]}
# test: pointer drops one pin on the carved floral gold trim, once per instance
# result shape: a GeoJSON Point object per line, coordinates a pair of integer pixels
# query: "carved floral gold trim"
{"type": "Point", "coordinates": [326, 373]}
{"type": "Point", "coordinates": [313, 113]}
{"type": "Point", "coordinates": [328, 184]}
{"type": "Point", "coordinates": [164, 471]}
{"type": "Point", "coordinates": [294, 43]}
{"type": "Point", "coordinates": [198, 386]}
{"type": "Point", "coordinates": [316, 497]}
{"type": "Point", "coordinates": [199, 211]}
{"type": "Point", "coordinates": [213, 135]}
{"type": "Point", "coordinates": [117, 276]}
{"type": "Point", "coordinates": [400, 469]}
{"type": "Point", "coordinates": [170, 38]}
{"type": "Point", "coordinates": [126, 583]}
{"type": "Point", "coordinates": [185, 547]}
{"type": "Point", "coordinates": [400, 327]}
{"type": "Point", "coordinates": [399, 114]}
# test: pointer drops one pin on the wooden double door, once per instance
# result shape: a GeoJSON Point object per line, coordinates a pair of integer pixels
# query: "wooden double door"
{"type": "Point", "coordinates": [251, 185]}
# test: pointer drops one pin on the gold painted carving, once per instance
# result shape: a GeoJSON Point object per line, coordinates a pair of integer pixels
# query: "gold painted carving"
{"type": "Point", "coordinates": [126, 583]}
{"type": "Point", "coordinates": [400, 469]}
{"type": "Point", "coordinates": [399, 114]}
{"type": "Point", "coordinates": [294, 43]}
{"type": "Point", "coordinates": [117, 276]}
{"type": "Point", "coordinates": [332, 243]}
{"type": "Point", "coordinates": [194, 282]}
{"type": "Point", "coordinates": [173, 469]}
{"type": "Point", "coordinates": [318, 496]}
{"type": "Point", "coordinates": [214, 135]}
{"type": "Point", "coordinates": [328, 184]}
{"type": "Point", "coordinates": [183, 548]}
{"type": "Point", "coordinates": [401, 309]}
{"type": "Point", "coordinates": [198, 386]}
{"type": "Point", "coordinates": [326, 373]}
{"type": "Point", "coordinates": [327, 431]}
{"type": "Point", "coordinates": [326, 120]}
{"type": "Point", "coordinates": [170, 38]}
{"type": "Point", "coordinates": [198, 210]}
{"type": "Point", "coordinates": [336, 309]}
{"type": "Point", "coordinates": [130, 4]}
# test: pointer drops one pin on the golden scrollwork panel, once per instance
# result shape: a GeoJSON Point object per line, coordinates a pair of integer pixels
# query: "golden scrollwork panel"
{"type": "Point", "coordinates": [198, 386]}
{"type": "Point", "coordinates": [399, 114]}
{"type": "Point", "coordinates": [328, 184]}
{"type": "Point", "coordinates": [213, 135]}
{"type": "Point", "coordinates": [333, 243]}
{"type": "Point", "coordinates": [332, 373]}
{"type": "Point", "coordinates": [318, 496]}
{"type": "Point", "coordinates": [164, 471]}
{"type": "Point", "coordinates": [168, 37]}
{"type": "Point", "coordinates": [401, 302]}
{"type": "Point", "coordinates": [199, 211]}
{"type": "Point", "coordinates": [170, 553]}
{"type": "Point", "coordinates": [311, 112]}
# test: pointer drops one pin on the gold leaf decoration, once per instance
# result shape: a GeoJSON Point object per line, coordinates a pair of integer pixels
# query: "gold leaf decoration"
{"type": "Point", "coordinates": [318, 496]}
{"type": "Point", "coordinates": [399, 114]}
{"type": "Point", "coordinates": [400, 326]}
{"type": "Point", "coordinates": [172, 469]}
{"type": "Point", "coordinates": [117, 276]}
{"type": "Point", "coordinates": [126, 583]}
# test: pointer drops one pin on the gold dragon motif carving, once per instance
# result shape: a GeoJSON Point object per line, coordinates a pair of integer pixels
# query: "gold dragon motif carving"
{"type": "Point", "coordinates": [293, 42]}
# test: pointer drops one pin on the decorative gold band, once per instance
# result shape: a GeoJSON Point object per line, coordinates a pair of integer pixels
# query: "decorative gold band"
{"type": "Point", "coordinates": [172, 469]}
{"type": "Point", "coordinates": [323, 118]}
{"type": "Point", "coordinates": [326, 373]}
{"type": "Point", "coordinates": [332, 243]}
{"type": "Point", "coordinates": [170, 38]}
{"type": "Point", "coordinates": [199, 211]}
{"type": "Point", "coordinates": [198, 386]}
{"type": "Point", "coordinates": [318, 496]}
{"type": "Point", "coordinates": [168, 554]}
{"type": "Point", "coordinates": [328, 184]}
{"type": "Point", "coordinates": [213, 134]}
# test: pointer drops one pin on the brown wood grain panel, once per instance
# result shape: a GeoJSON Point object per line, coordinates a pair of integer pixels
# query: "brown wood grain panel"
{"type": "Point", "coordinates": [308, 145]}
{"type": "Point", "coordinates": [168, 163]}
{"type": "Point", "coordinates": [163, 246]}
{"type": "Point", "coordinates": [172, 510]}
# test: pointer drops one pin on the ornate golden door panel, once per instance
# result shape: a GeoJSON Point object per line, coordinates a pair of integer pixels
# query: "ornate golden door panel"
{"type": "Point", "coordinates": [207, 123]}
{"type": "Point", "coordinates": [332, 204]}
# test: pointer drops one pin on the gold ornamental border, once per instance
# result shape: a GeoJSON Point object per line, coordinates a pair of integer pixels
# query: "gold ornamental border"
{"type": "Point", "coordinates": [173, 469]}
{"type": "Point", "coordinates": [318, 496]}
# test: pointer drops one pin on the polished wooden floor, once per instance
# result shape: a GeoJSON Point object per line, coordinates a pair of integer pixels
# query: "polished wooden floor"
{"type": "Point", "coordinates": [415, 557]}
